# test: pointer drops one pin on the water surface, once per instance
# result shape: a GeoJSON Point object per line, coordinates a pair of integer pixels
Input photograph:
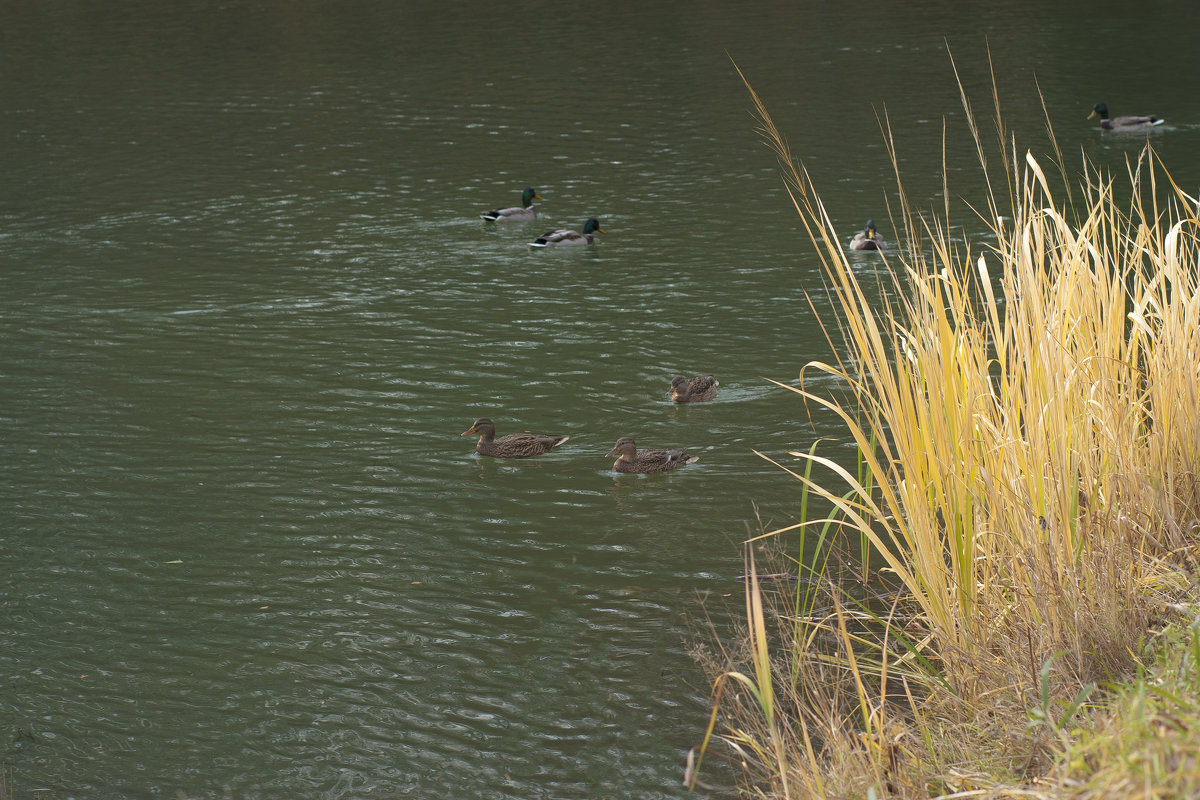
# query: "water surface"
{"type": "Point", "coordinates": [247, 306]}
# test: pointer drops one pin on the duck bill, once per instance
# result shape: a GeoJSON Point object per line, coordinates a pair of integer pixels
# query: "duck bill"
{"type": "Point", "coordinates": [1093, 114]}
{"type": "Point", "coordinates": [470, 432]}
{"type": "Point", "coordinates": [612, 453]}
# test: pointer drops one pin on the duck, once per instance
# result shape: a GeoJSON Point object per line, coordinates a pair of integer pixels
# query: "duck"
{"type": "Point", "coordinates": [693, 390]}
{"type": "Point", "coordinates": [1131, 123]}
{"type": "Point", "coordinates": [569, 237]}
{"type": "Point", "coordinates": [514, 445]}
{"type": "Point", "coordinates": [630, 459]}
{"type": "Point", "coordinates": [868, 238]}
{"type": "Point", "coordinates": [526, 211]}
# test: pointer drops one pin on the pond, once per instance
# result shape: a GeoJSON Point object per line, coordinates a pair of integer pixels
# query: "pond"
{"type": "Point", "coordinates": [248, 305]}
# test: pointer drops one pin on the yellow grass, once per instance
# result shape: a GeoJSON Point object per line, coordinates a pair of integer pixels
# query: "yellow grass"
{"type": "Point", "coordinates": [1028, 415]}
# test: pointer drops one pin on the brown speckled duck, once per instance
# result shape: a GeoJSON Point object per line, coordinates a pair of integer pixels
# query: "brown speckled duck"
{"type": "Point", "coordinates": [868, 238]}
{"type": "Point", "coordinates": [630, 459]}
{"type": "Point", "coordinates": [693, 390]}
{"type": "Point", "coordinates": [514, 445]}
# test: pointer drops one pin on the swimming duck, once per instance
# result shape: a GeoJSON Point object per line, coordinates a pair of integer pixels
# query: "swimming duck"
{"type": "Point", "coordinates": [868, 238]}
{"type": "Point", "coordinates": [630, 459]}
{"type": "Point", "coordinates": [693, 390]}
{"type": "Point", "coordinates": [566, 237]}
{"type": "Point", "coordinates": [1123, 123]}
{"type": "Point", "coordinates": [514, 445]}
{"type": "Point", "coordinates": [527, 210]}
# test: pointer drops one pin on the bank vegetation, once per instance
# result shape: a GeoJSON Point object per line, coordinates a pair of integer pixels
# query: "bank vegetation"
{"type": "Point", "coordinates": [1022, 620]}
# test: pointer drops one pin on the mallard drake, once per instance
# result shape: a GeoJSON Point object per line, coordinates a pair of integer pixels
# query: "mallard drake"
{"type": "Point", "coordinates": [693, 390]}
{"type": "Point", "coordinates": [514, 445]}
{"type": "Point", "coordinates": [868, 238]}
{"type": "Point", "coordinates": [1123, 123]}
{"type": "Point", "coordinates": [526, 211]}
{"type": "Point", "coordinates": [630, 459]}
{"type": "Point", "coordinates": [566, 237]}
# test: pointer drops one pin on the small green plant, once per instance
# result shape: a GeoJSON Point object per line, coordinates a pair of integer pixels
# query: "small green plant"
{"type": "Point", "coordinates": [1042, 715]}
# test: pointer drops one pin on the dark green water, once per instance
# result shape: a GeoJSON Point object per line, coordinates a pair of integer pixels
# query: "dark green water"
{"type": "Point", "coordinates": [247, 306]}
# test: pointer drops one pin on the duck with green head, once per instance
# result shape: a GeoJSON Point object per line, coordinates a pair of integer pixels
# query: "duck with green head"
{"type": "Point", "coordinates": [526, 211]}
{"type": "Point", "coordinates": [569, 237]}
{"type": "Point", "coordinates": [1129, 123]}
{"type": "Point", "coordinates": [868, 238]}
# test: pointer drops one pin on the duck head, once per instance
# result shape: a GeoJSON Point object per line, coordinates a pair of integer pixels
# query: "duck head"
{"type": "Point", "coordinates": [624, 448]}
{"type": "Point", "coordinates": [481, 427]}
{"type": "Point", "coordinates": [528, 196]}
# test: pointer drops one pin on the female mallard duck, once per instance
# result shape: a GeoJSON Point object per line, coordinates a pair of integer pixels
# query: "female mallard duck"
{"type": "Point", "coordinates": [630, 459]}
{"type": "Point", "coordinates": [868, 238]}
{"type": "Point", "coordinates": [1123, 123]}
{"type": "Point", "coordinates": [514, 445]}
{"type": "Point", "coordinates": [527, 210]}
{"type": "Point", "coordinates": [567, 237]}
{"type": "Point", "coordinates": [693, 390]}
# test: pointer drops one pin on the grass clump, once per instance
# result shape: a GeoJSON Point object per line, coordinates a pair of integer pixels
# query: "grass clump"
{"type": "Point", "coordinates": [1027, 415]}
{"type": "Point", "coordinates": [1145, 742]}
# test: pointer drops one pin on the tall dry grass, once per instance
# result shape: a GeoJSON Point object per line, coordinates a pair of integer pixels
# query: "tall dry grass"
{"type": "Point", "coordinates": [1028, 417]}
